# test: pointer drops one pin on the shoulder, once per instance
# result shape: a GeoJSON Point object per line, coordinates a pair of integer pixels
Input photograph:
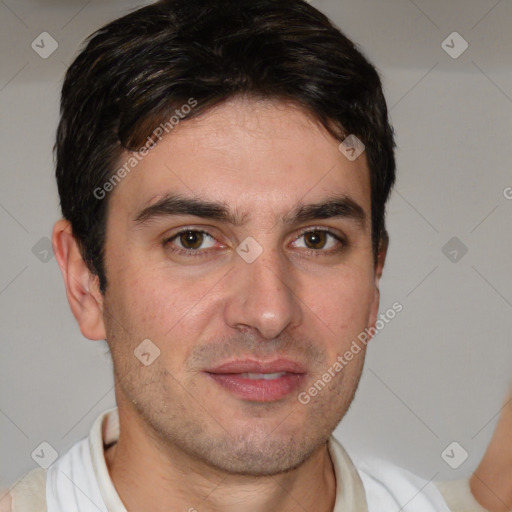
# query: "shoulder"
{"type": "Point", "coordinates": [389, 487]}
{"type": "Point", "coordinates": [27, 493]}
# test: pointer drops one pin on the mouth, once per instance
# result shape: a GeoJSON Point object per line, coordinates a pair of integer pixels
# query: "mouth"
{"type": "Point", "coordinates": [259, 381]}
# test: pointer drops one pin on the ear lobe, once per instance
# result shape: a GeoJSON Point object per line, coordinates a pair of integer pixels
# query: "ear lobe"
{"type": "Point", "coordinates": [82, 287]}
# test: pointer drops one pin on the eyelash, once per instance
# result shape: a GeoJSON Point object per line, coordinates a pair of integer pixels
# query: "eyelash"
{"type": "Point", "coordinates": [203, 252]}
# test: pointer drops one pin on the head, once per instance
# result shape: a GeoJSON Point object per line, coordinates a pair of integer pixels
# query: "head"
{"type": "Point", "coordinates": [207, 208]}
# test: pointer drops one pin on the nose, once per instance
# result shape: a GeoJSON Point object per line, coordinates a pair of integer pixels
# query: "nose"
{"type": "Point", "coordinates": [261, 296]}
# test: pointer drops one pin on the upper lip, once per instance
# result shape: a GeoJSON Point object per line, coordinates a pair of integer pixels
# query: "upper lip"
{"type": "Point", "coordinates": [254, 366]}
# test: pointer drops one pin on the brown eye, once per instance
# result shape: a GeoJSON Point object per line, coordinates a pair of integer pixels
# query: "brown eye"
{"type": "Point", "coordinates": [320, 241]}
{"type": "Point", "coordinates": [190, 242]}
{"type": "Point", "coordinates": [315, 239]}
{"type": "Point", "coordinates": [191, 239]}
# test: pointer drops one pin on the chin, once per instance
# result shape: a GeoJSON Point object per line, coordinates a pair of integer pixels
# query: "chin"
{"type": "Point", "coordinates": [268, 455]}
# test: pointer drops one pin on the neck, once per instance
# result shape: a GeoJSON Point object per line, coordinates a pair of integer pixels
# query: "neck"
{"type": "Point", "coordinates": [151, 477]}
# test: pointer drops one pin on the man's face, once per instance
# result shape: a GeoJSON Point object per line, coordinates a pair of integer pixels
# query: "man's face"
{"type": "Point", "coordinates": [221, 320]}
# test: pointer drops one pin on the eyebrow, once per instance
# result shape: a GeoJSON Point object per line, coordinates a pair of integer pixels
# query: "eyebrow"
{"type": "Point", "coordinates": [340, 206]}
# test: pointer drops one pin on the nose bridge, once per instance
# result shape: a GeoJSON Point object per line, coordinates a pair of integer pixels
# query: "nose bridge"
{"type": "Point", "coordinates": [262, 296]}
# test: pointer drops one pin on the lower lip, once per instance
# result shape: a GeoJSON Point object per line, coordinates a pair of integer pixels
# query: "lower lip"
{"type": "Point", "coordinates": [259, 390]}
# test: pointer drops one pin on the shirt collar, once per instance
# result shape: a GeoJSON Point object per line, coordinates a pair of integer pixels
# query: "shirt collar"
{"type": "Point", "coordinates": [350, 494]}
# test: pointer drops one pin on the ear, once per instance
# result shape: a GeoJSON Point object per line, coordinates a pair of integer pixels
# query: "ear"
{"type": "Point", "coordinates": [82, 287]}
{"type": "Point", "coordinates": [379, 267]}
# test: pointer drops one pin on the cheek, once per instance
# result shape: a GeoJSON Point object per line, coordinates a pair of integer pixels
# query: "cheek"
{"type": "Point", "coordinates": [344, 304]}
{"type": "Point", "coordinates": [153, 307]}
{"type": "Point", "coordinates": [157, 304]}
{"type": "Point", "coordinates": [136, 299]}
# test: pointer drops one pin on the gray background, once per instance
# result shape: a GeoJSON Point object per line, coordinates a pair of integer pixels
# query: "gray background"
{"type": "Point", "coordinates": [437, 373]}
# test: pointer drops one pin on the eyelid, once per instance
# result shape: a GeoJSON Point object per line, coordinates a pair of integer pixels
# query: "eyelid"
{"type": "Point", "coordinates": [339, 237]}
{"type": "Point", "coordinates": [323, 229]}
{"type": "Point", "coordinates": [175, 235]}
{"type": "Point", "coordinates": [302, 232]}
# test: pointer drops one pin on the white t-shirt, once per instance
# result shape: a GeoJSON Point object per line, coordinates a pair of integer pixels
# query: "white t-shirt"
{"type": "Point", "coordinates": [79, 481]}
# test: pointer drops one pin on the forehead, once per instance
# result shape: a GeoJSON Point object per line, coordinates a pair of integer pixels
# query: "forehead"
{"type": "Point", "coordinates": [261, 157]}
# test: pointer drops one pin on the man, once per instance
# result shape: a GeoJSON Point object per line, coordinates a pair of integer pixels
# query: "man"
{"type": "Point", "coordinates": [223, 168]}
